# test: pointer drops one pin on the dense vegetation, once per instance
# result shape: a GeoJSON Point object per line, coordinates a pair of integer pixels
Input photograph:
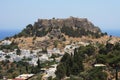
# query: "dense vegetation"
{"type": "Point", "coordinates": [80, 32]}
{"type": "Point", "coordinates": [73, 65]}
{"type": "Point", "coordinates": [13, 69]}
{"type": "Point", "coordinates": [109, 54]}
{"type": "Point", "coordinates": [11, 47]}
{"type": "Point", "coordinates": [35, 30]}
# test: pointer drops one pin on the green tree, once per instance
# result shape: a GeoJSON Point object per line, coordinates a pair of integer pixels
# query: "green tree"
{"type": "Point", "coordinates": [53, 56]}
{"type": "Point", "coordinates": [75, 69]}
{"type": "Point", "coordinates": [38, 63]}
{"type": "Point", "coordinates": [50, 78]}
{"type": "Point", "coordinates": [15, 74]}
{"type": "Point", "coordinates": [18, 52]}
{"type": "Point", "coordinates": [90, 50]}
{"type": "Point", "coordinates": [101, 59]}
{"type": "Point", "coordinates": [27, 69]}
{"type": "Point", "coordinates": [117, 46]}
{"type": "Point", "coordinates": [109, 47]}
{"type": "Point", "coordinates": [78, 59]}
{"type": "Point", "coordinates": [65, 57]}
{"type": "Point", "coordinates": [97, 74]}
{"type": "Point", "coordinates": [7, 56]}
{"type": "Point", "coordinates": [61, 72]}
{"type": "Point", "coordinates": [55, 43]}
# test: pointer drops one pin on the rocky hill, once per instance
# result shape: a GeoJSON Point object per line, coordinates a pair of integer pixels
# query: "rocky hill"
{"type": "Point", "coordinates": [49, 32]}
{"type": "Point", "coordinates": [73, 27]}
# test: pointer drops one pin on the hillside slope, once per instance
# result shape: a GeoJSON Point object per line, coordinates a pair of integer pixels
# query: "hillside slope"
{"type": "Point", "coordinates": [48, 32]}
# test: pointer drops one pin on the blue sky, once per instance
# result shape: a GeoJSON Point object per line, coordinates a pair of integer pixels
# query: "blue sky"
{"type": "Point", "coordinates": [16, 14]}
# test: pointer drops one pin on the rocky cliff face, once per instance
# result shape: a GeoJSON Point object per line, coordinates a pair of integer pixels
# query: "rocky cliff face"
{"type": "Point", "coordinates": [69, 22]}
